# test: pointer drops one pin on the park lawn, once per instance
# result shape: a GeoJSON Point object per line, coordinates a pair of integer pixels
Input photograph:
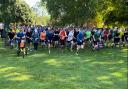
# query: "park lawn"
{"type": "Point", "coordinates": [104, 69]}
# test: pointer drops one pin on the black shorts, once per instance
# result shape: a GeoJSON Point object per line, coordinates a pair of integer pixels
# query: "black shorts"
{"type": "Point", "coordinates": [95, 42]}
{"type": "Point", "coordinates": [110, 37]}
{"type": "Point", "coordinates": [70, 42]}
{"type": "Point", "coordinates": [79, 43]}
{"type": "Point", "coordinates": [62, 42]}
{"type": "Point", "coordinates": [43, 42]}
{"type": "Point", "coordinates": [29, 41]}
{"type": "Point", "coordinates": [88, 39]}
{"type": "Point", "coordinates": [122, 38]}
{"type": "Point", "coordinates": [116, 40]}
{"type": "Point", "coordinates": [102, 38]}
{"type": "Point", "coordinates": [49, 41]}
{"type": "Point", "coordinates": [74, 40]}
{"type": "Point", "coordinates": [56, 38]}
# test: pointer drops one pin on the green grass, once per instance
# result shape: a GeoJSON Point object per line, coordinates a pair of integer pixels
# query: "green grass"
{"type": "Point", "coordinates": [105, 69]}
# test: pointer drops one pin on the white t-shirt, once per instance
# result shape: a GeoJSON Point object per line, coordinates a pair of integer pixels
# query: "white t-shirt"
{"type": "Point", "coordinates": [1, 26]}
{"type": "Point", "coordinates": [70, 36]}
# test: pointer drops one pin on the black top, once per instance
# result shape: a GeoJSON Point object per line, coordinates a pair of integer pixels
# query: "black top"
{"type": "Point", "coordinates": [11, 35]}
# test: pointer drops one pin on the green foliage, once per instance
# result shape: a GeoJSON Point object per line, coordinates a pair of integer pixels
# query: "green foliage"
{"type": "Point", "coordinates": [81, 11]}
{"type": "Point", "coordinates": [118, 14]}
{"type": "Point", "coordinates": [16, 11]}
{"type": "Point", "coordinates": [71, 11]}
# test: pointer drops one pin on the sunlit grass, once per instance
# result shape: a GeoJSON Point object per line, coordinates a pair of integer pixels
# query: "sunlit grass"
{"type": "Point", "coordinates": [104, 69]}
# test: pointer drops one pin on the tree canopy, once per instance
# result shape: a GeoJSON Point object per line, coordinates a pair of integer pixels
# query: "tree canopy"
{"type": "Point", "coordinates": [15, 11]}
{"type": "Point", "coordinates": [80, 11]}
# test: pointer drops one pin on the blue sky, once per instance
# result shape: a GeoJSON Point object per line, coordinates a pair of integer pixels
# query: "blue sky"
{"type": "Point", "coordinates": [31, 2]}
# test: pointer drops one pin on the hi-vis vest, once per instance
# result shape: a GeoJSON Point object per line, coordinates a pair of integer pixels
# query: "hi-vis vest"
{"type": "Point", "coordinates": [43, 36]}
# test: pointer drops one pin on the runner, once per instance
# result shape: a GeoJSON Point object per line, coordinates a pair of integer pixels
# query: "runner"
{"type": "Point", "coordinates": [49, 38]}
{"type": "Point", "coordinates": [88, 35]}
{"type": "Point", "coordinates": [56, 38]}
{"type": "Point", "coordinates": [121, 35]}
{"type": "Point", "coordinates": [110, 37]}
{"type": "Point", "coordinates": [63, 36]}
{"type": "Point", "coordinates": [11, 35]}
{"type": "Point", "coordinates": [126, 36]}
{"type": "Point", "coordinates": [70, 39]}
{"type": "Point", "coordinates": [116, 40]}
{"type": "Point", "coordinates": [95, 39]}
{"type": "Point", "coordinates": [29, 39]}
{"type": "Point", "coordinates": [43, 38]}
{"type": "Point", "coordinates": [75, 36]}
{"type": "Point", "coordinates": [80, 39]}
{"type": "Point", "coordinates": [105, 34]}
{"type": "Point", "coordinates": [20, 35]}
{"type": "Point", "coordinates": [35, 39]}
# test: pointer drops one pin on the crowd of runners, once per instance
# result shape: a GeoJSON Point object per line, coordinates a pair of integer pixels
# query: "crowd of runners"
{"type": "Point", "coordinates": [73, 38]}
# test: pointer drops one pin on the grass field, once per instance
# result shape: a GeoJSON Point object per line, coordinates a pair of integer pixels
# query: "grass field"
{"type": "Point", "coordinates": [105, 69]}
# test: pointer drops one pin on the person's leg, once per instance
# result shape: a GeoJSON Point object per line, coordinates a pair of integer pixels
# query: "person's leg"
{"type": "Point", "coordinates": [62, 46]}
{"type": "Point", "coordinates": [72, 43]}
{"type": "Point", "coordinates": [0, 32]}
{"type": "Point", "coordinates": [82, 45]}
{"type": "Point", "coordinates": [30, 46]}
{"type": "Point", "coordinates": [4, 42]}
{"type": "Point", "coordinates": [12, 43]}
{"type": "Point", "coordinates": [96, 45]}
{"type": "Point", "coordinates": [78, 47]}
{"type": "Point", "coordinates": [42, 43]}
{"type": "Point", "coordinates": [49, 46]}
{"type": "Point", "coordinates": [56, 44]}
{"type": "Point", "coordinates": [34, 46]}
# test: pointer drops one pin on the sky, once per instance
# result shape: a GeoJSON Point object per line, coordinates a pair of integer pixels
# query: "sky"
{"type": "Point", "coordinates": [31, 2]}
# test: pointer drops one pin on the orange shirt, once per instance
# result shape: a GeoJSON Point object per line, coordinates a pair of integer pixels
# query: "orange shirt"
{"type": "Point", "coordinates": [22, 45]}
{"type": "Point", "coordinates": [62, 35]}
{"type": "Point", "coordinates": [43, 36]}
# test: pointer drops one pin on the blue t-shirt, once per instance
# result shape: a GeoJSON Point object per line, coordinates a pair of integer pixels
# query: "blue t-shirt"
{"type": "Point", "coordinates": [20, 34]}
{"type": "Point", "coordinates": [80, 37]}
{"type": "Point", "coordinates": [49, 35]}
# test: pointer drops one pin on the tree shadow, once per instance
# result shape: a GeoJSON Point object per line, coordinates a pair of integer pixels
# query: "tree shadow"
{"type": "Point", "coordinates": [105, 69]}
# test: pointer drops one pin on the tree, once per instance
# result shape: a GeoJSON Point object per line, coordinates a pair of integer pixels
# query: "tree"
{"type": "Point", "coordinates": [71, 11]}
{"type": "Point", "coordinates": [15, 11]}
{"type": "Point", "coordinates": [119, 13]}
{"type": "Point", "coordinates": [81, 11]}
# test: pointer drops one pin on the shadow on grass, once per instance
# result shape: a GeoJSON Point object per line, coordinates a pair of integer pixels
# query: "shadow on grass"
{"type": "Point", "coordinates": [105, 69]}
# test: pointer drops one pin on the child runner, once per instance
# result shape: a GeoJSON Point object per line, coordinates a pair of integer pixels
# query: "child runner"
{"type": "Point", "coordinates": [43, 38]}
{"type": "Point", "coordinates": [63, 36]}
{"type": "Point", "coordinates": [20, 35]}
